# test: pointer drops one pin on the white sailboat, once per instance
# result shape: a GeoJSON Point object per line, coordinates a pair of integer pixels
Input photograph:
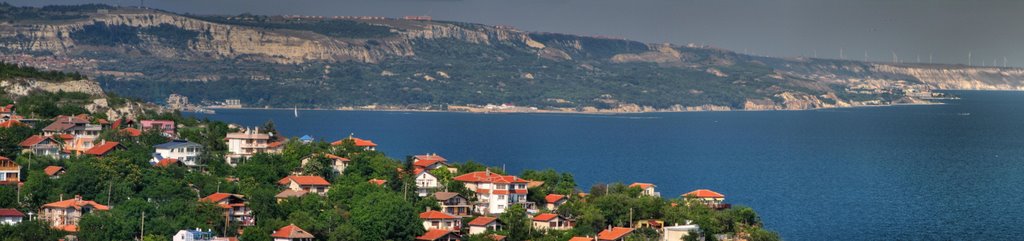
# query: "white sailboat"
{"type": "Point", "coordinates": [296, 112]}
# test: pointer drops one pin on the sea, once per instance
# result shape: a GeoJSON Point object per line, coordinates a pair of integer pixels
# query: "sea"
{"type": "Point", "coordinates": [953, 171]}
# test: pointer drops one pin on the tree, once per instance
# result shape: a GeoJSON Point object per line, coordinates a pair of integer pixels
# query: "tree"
{"type": "Point", "coordinates": [759, 234]}
{"type": "Point", "coordinates": [385, 216]}
{"type": "Point", "coordinates": [516, 222]}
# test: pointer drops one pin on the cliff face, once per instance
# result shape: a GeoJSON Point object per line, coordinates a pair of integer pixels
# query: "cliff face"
{"type": "Point", "coordinates": [19, 87]}
{"type": "Point", "coordinates": [391, 62]}
{"type": "Point", "coordinates": [275, 45]}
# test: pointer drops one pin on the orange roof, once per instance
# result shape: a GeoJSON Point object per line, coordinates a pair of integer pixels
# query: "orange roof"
{"type": "Point", "coordinates": [12, 123]}
{"type": "Point", "coordinates": [52, 170]}
{"type": "Point", "coordinates": [545, 217]}
{"type": "Point", "coordinates": [76, 203]}
{"type": "Point", "coordinates": [217, 197]}
{"type": "Point", "coordinates": [167, 162]}
{"type": "Point", "coordinates": [132, 132]}
{"type": "Point", "coordinates": [69, 228]}
{"type": "Point", "coordinates": [581, 239]}
{"type": "Point", "coordinates": [305, 180]}
{"type": "Point", "coordinates": [641, 185]}
{"type": "Point", "coordinates": [427, 160]}
{"type": "Point", "coordinates": [434, 234]}
{"type": "Point", "coordinates": [432, 214]}
{"type": "Point", "coordinates": [552, 198]}
{"type": "Point", "coordinates": [33, 140]}
{"type": "Point", "coordinates": [489, 177]}
{"type": "Point", "coordinates": [358, 142]}
{"type": "Point", "coordinates": [291, 231]}
{"type": "Point", "coordinates": [497, 237]}
{"type": "Point", "coordinates": [378, 181]}
{"type": "Point", "coordinates": [614, 233]}
{"type": "Point", "coordinates": [3, 158]}
{"type": "Point", "coordinates": [103, 149]}
{"type": "Point", "coordinates": [287, 193]}
{"type": "Point", "coordinates": [335, 157]}
{"type": "Point", "coordinates": [65, 136]}
{"type": "Point", "coordinates": [482, 221]}
{"type": "Point", "coordinates": [704, 193]}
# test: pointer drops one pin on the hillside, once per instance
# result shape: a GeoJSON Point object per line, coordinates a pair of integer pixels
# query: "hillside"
{"type": "Point", "coordinates": [332, 62]}
{"type": "Point", "coordinates": [43, 94]}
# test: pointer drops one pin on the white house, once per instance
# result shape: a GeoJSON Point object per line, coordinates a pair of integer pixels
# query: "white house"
{"type": "Point", "coordinates": [10, 216]}
{"type": "Point", "coordinates": [646, 189]}
{"type": "Point", "coordinates": [338, 163]}
{"type": "Point", "coordinates": [313, 184]}
{"type": "Point", "coordinates": [184, 151]}
{"type": "Point", "coordinates": [425, 182]}
{"type": "Point", "coordinates": [249, 142]}
{"type": "Point", "coordinates": [551, 221]}
{"type": "Point", "coordinates": [677, 232]}
{"type": "Point", "coordinates": [495, 192]}
{"type": "Point", "coordinates": [440, 220]}
{"type": "Point", "coordinates": [483, 224]}
{"type": "Point", "coordinates": [193, 235]}
{"type": "Point", "coordinates": [10, 171]}
{"type": "Point", "coordinates": [291, 233]}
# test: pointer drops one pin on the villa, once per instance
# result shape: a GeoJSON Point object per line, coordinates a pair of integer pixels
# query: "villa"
{"type": "Point", "coordinates": [495, 192]}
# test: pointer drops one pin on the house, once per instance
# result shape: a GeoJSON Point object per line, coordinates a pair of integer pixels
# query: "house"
{"type": "Point", "coordinates": [497, 237]}
{"type": "Point", "coordinates": [439, 235]}
{"type": "Point", "coordinates": [495, 192]}
{"type": "Point", "coordinates": [12, 123]}
{"type": "Point", "coordinates": [678, 232]}
{"type": "Point", "coordinates": [235, 207]}
{"type": "Point", "coordinates": [193, 235]}
{"type": "Point", "coordinates": [551, 221]}
{"type": "Point", "coordinates": [248, 142]}
{"type": "Point", "coordinates": [577, 238]}
{"type": "Point", "coordinates": [291, 233]}
{"type": "Point", "coordinates": [53, 171]}
{"type": "Point", "coordinates": [186, 152]}
{"type": "Point", "coordinates": [454, 203]}
{"type": "Point", "coordinates": [10, 171]}
{"type": "Point", "coordinates": [439, 220]}
{"type": "Point", "coordinates": [313, 184]}
{"type": "Point", "coordinates": [288, 193]}
{"type": "Point", "coordinates": [614, 234]}
{"type": "Point", "coordinates": [483, 224]}
{"type": "Point", "coordinates": [166, 162]}
{"type": "Point", "coordinates": [338, 163]}
{"type": "Point", "coordinates": [42, 146]}
{"type": "Point", "coordinates": [130, 132]}
{"type": "Point", "coordinates": [7, 112]}
{"type": "Point", "coordinates": [425, 182]}
{"type": "Point", "coordinates": [10, 216]}
{"type": "Point", "coordinates": [65, 214]}
{"type": "Point", "coordinates": [707, 197]}
{"type": "Point", "coordinates": [552, 201]}
{"type": "Point", "coordinates": [104, 148]}
{"type": "Point", "coordinates": [646, 189]}
{"type": "Point", "coordinates": [366, 145]}
{"type": "Point", "coordinates": [81, 134]}
{"type": "Point", "coordinates": [166, 127]}
{"type": "Point", "coordinates": [431, 162]}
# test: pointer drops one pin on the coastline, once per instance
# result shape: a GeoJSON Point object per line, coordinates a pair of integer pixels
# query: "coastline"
{"type": "Point", "coordinates": [573, 112]}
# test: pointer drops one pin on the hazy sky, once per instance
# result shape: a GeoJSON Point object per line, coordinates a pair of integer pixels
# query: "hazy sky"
{"type": "Point", "coordinates": [946, 29]}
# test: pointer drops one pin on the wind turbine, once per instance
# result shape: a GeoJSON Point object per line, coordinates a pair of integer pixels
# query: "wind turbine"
{"type": "Point", "coordinates": [895, 59]}
{"type": "Point", "coordinates": [970, 59]}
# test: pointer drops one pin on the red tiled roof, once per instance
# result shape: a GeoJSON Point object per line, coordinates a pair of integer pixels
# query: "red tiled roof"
{"type": "Point", "coordinates": [552, 198]}
{"type": "Point", "coordinates": [10, 212]}
{"type": "Point", "coordinates": [335, 157]}
{"type": "Point", "coordinates": [497, 237]}
{"type": "Point", "coordinates": [581, 239]}
{"type": "Point", "coordinates": [103, 149]}
{"type": "Point", "coordinates": [12, 123]}
{"type": "Point", "coordinates": [275, 144]}
{"type": "Point", "coordinates": [482, 221]}
{"type": "Point", "coordinates": [704, 193]}
{"type": "Point", "coordinates": [641, 185]}
{"type": "Point", "coordinates": [427, 160]}
{"type": "Point", "coordinates": [103, 121]}
{"type": "Point", "coordinates": [3, 158]}
{"type": "Point", "coordinates": [358, 142]}
{"type": "Point", "coordinates": [434, 234]}
{"type": "Point", "coordinates": [614, 233]}
{"type": "Point", "coordinates": [291, 232]}
{"type": "Point", "coordinates": [52, 170]}
{"type": "Point", "coordinates": [378, 181]}
{"type": "Point", "coordinates": [304, 180]}
{"type": "Point", "coordinates": [167, 162]}
{"type": "Point", "coordinates": [65, 136]}
{"type": "Point", "coordinates": [33, 140]}
{"type": "Point", "coordinates": [217, 197]}
{"type": "Point", "coordinates": [432, 214]}
{"type": "Point", "coordinates": [132, 132]}
{"type": "Point", "coordinates": [489, 177]}
{"type": "Point", "coordinates": [69, 228]}
{"type": "Point", "coordinates": [76, 203]}
{"type": "Point", "coordinates": [545, 217]}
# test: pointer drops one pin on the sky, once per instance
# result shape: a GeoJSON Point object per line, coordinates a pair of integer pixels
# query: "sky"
{"type": "Point", "coordinates": [945, 31]}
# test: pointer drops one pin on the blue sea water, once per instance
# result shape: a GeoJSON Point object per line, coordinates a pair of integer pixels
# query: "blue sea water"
{"type": "Point", "coordinates": [930, 172]}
